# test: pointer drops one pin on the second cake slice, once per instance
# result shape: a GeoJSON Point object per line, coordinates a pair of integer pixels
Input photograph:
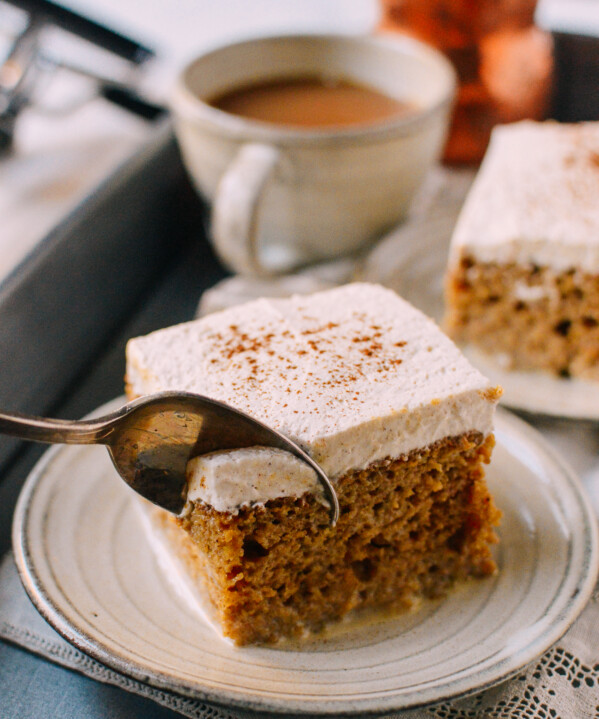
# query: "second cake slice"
{"type": "Point", "coordinates": [523, 278]}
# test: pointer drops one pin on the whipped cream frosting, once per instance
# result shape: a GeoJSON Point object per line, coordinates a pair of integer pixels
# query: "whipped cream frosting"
{"type": "Point", "coordinates": [535, 199]}
{"type": "Point", "coordinates": [353, 375]}
{"type": "Point", "coordinates": [267, 472]}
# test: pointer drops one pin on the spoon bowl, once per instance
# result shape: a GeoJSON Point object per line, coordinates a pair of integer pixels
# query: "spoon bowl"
{"type": "Point", "coordinates": [151, 440]}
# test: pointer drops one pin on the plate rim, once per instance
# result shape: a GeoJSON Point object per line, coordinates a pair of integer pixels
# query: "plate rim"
{"type": "Point", "coordinates": [486, 364]}
{"type": "Point", "coordinates": [95, 648]}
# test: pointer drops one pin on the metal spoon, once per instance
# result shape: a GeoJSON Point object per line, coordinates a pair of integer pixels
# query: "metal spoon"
{"type": "Point", "coordinates": [150, 441]}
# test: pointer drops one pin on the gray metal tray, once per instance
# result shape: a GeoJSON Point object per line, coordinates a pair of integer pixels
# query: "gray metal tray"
{"type": "Point", "coordinates": [59, 308]}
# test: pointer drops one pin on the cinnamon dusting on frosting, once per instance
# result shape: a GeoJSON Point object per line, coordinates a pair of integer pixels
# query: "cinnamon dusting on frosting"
{"type": "Point", "coordinates": [333, 371]}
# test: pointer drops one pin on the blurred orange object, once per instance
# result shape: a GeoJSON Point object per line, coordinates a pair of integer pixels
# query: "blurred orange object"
{"type": "Point", "coordinates": [504, 62]}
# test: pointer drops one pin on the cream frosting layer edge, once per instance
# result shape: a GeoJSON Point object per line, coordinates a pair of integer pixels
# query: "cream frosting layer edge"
{"type": "Point", "coordinates": [236, 478]}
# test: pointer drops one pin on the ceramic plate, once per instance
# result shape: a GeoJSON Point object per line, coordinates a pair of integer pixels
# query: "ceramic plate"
{"type": "Point", "coordinates": [412, 261]}
{"type": "Point", "coordinates": [86, 565]}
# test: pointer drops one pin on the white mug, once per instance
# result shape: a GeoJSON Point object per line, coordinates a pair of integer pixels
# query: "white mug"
{"type": "Point", "coordinates": [283, 197]}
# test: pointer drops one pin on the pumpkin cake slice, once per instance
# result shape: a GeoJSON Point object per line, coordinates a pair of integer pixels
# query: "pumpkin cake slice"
{"type": "Point", "coordinates": [390, 408]}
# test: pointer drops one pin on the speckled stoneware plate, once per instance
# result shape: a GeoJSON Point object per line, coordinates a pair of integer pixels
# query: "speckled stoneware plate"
{"type": "Point", "coordinates": [412, 261]}
{"type": "Point", "coordinates": [86, 565]}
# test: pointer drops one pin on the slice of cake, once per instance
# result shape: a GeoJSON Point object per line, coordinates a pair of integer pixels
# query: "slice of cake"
{"type": "Point", "coordinates": [523, 279]}
{"type": "Point", "coordinates": [389, 407]}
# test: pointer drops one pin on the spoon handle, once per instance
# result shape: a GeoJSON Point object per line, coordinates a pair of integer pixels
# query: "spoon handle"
{"type": "Point", "coordinates": [54, 431]}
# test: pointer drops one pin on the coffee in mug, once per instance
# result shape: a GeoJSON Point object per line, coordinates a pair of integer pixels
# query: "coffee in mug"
{"type": "Point", "coordinates": [314, 102]}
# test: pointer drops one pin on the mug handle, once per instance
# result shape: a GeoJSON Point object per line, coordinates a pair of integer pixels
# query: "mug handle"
{"type": "Point", "coordinates": [235, 208]}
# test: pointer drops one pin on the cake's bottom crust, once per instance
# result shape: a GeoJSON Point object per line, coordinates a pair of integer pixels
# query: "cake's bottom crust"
{"type": "Point", "coordinates": [531, 317]}
{"type": "Point", "coordinates": [409, 528]}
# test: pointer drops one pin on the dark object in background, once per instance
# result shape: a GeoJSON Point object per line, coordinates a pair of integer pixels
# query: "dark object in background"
{"type": "Point", "coordinates": [576, 94]}
{"type": "Point", "coordinates": [51, 13]}
{"type": "Point", "coordinates": [21, 68]}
